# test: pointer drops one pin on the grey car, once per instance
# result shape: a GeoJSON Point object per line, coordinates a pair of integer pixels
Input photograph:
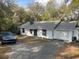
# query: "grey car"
{"type": "Point", "coordinates": [7, 37]}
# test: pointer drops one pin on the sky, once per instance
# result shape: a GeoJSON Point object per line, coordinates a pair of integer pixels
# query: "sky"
{"type": "Point", "coordinates": [24, 3]}
{"type": "Point", "coordinates": [43, 2]}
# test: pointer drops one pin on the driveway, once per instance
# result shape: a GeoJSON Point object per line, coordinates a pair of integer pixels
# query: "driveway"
{"type": "Point", "coordinates": [45, 50]}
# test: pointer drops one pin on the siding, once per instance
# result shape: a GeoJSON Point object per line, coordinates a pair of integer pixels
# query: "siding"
{"type": "Point", "coordinates": [76, 33]}
{"type": "Point", "coordinates": [63, 35]}
{"type": "Point", "coordinates": [57, 34]}
{"type": "Point", "coordinates": [39, 33]}
{"type": "Point", "coordinates": [48, 34]}
{"type": "Point", "coordinates": [27, 32]}
{"type": "Point", "coordinates": [22, 32]}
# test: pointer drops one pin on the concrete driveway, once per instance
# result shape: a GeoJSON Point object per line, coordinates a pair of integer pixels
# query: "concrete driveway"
{"type": "Point", "coordinates": [45, 50]}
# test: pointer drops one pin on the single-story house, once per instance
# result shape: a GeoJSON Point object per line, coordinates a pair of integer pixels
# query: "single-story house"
{"type": "Point", "coordinates": [51, 30]}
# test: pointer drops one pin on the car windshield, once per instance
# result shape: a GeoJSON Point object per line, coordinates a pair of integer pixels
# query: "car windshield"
{"type": "Point", "coordinates": [7, 33]}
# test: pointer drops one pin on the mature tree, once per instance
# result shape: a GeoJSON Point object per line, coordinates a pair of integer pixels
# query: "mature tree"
{"type": "Point", "coordinates": [37, 10]}
{"type": "Point", "coordinates": [5, 14]}
{"type": "Point", "coordinates": [74, 4]}
{"type": "Point", "coordinates": [23, 15]}
{"type": "Point", "coordinates": [52, 10]}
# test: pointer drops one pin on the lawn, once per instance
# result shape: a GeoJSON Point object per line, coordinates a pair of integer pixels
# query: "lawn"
{"type": "Point", "coordinates": [3, 50]}
{"type": "Point", "coordinates": [31, 40]}
{"type": "Point", "coordinates": [69, 51]}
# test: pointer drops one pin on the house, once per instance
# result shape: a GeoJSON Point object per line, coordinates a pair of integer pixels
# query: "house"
{"type": "Point", "coordinates": [51, 30]}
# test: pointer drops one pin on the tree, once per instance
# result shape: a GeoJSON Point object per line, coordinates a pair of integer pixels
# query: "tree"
{"type": "Point", "coordinates": [74, 4]}
{"type": "Point", "coordinates": [37, 10]}
{"type": "Point", "coordinates": [5, 14]}
{"type": "Point", "coordinates": [45, 16]}
{"type": "Point", "coordinates": [51, 9]}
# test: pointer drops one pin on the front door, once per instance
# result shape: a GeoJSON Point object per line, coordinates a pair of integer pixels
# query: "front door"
{"type": "Point", "coordinates": [35, 32]}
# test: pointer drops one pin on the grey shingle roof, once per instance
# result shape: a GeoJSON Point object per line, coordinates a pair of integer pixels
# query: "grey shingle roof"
{"type": "Point", "coordinates": [66, 26]}
{"type": "Point", "coordinates": [49, 25]}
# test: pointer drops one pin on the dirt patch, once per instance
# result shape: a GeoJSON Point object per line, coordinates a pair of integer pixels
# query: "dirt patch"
{"type": "Point", "coordinates": [68, 51]}
{"type": "Point", "coordinates": [4, 49]}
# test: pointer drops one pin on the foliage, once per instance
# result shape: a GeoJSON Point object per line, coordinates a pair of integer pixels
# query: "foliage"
{"type": "Point", "coordinates": [5, 14]}
{"type": "Point", "coordinates": [74, 4]}
{"type": "Point", "coordinates": [11, 15]}
{"type": "Point", "coordinates": [51, 8]}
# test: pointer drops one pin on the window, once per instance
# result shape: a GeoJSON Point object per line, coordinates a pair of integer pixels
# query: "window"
{"type": "Point", "coordinates": [23, 30]}
{"type": "Point", "coordinates": [35, 32]}
{"type": "Point", "coordinates": [44, 32]}
{"type": "Point", "coordinates": [31, 31]}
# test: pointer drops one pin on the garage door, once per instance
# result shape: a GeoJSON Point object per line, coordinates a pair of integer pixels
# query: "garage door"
{"type": "Point", "coordinates": [64, 35]}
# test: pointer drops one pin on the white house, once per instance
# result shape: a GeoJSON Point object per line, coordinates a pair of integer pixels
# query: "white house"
{"type": "Point", "coordinates": [51, 30]}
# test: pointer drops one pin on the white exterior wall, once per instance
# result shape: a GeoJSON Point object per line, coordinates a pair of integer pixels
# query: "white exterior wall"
{"type": "Point", "coordinates": [22, 32]}
{"type": "Point", "coordinates": [27, 32]}
{"type": "Point", "coordinates": [70, 36]}
{"type": "Point", "coordinates": [48, 34]}
{"type": "Point", "coordinates": [39, 33]}
{"type": "Point", "coordinates": [76, 33]}
{"type": "Point", "coordinates": [57, 34]}
{"type": "Point", "coordinates": [64, 35]}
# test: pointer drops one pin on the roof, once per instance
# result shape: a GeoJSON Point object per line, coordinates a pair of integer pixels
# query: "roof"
{"type": "Point", "coordinates": [50, 25]}
{"type": "Point", "coordinates": [66, 26]}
